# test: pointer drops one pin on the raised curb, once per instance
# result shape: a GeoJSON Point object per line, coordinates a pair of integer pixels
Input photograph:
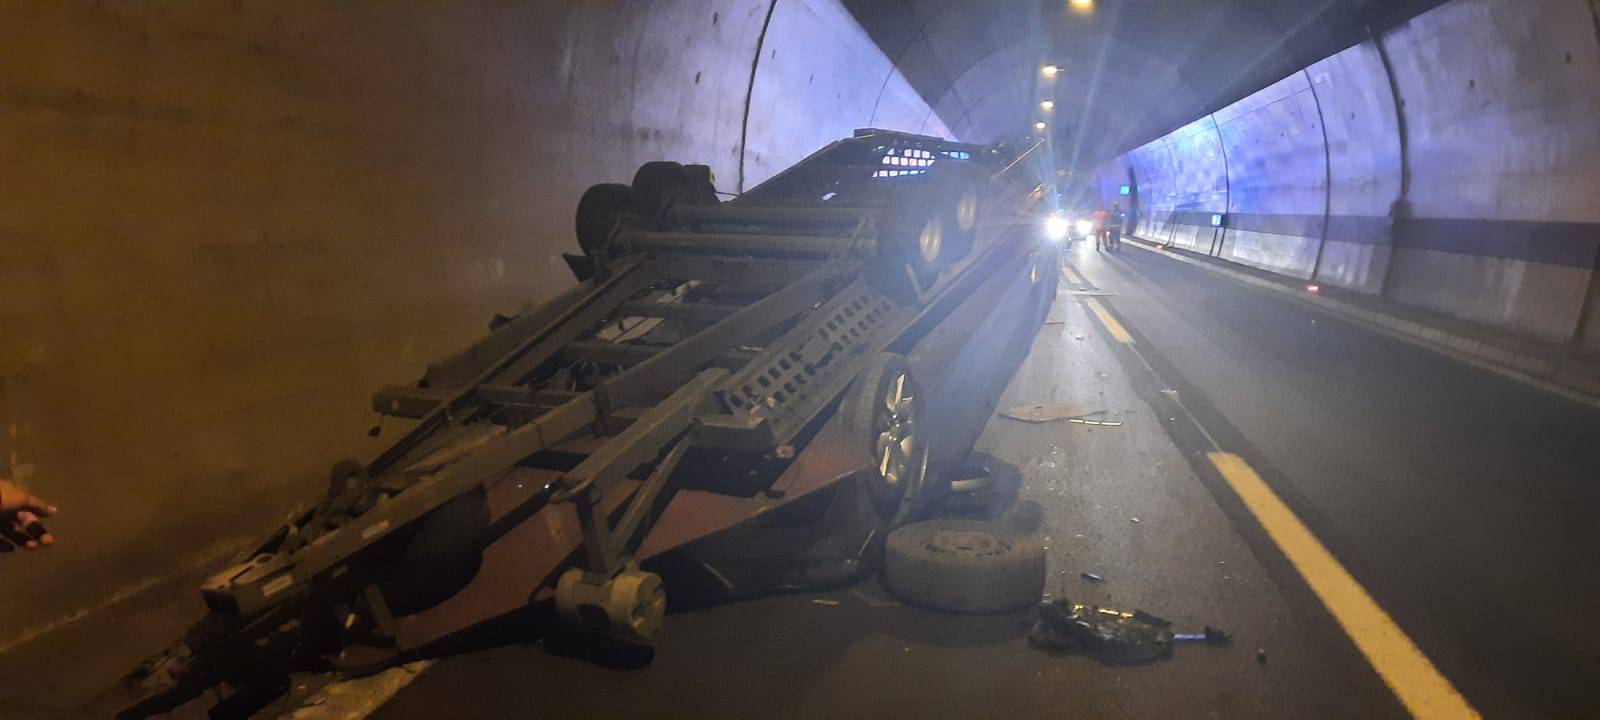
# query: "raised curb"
{"type": "Point", "coordinates": [1540, 372]}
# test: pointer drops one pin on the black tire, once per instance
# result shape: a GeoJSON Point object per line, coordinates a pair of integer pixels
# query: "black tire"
{"type": "Point", "coordinates": [912, 229]}
{"type": "Point", "coordinates": [662, 184]}
{"type": "Point", "coordinates": [602, 212]}
{"type": "Point", "coordinates": [964, 566]}
{"type": "Point", "coordinates": [701, 187]}
{"type": "Point", "coordinates": [958, 188]}
{"type": "Point", "coordinates": [910, 244]}
{"type": "Point", "coordinates": [867, 420]}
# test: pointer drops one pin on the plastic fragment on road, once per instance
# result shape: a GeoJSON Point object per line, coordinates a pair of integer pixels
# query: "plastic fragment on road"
{"type": "Point", "coordinates": [1112, 636]}
{"type": "Point", "coordinates": [1085, 421]}
{"type": "Point", "coordinates": [1049, 413]}
{"type": "Point", "coordinates": [1091, 577]}
{"type": "Point", "coordinates": [825, 601]}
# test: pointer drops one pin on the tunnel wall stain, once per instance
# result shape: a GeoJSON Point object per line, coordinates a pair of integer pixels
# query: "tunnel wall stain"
{"type": "Point", "coordinates": [224, 225]}
{"type": "Point", "coordinates": [1449, 163]}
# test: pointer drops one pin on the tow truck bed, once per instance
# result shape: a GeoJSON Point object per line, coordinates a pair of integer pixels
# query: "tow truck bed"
{"type": "Point", "coordinates": [685, 386]}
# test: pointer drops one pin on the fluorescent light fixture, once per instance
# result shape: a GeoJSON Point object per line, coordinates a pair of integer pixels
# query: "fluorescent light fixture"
{"type": "Point", "coordinates": [1047, 104]}
{"type": "Point", "coordinates": [1050, 70]}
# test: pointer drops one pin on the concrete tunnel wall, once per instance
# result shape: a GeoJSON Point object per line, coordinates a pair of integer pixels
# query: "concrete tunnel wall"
{"type": "Point", "coordinates": [1475, 194]}
{"type": "Point", "coordinates": [224, 225]}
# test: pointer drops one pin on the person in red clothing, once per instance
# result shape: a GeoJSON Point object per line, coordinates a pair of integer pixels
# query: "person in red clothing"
{"type": "Point", "coordinates": [20, 512]}
{"type": "Point", "coordinates": [1099, 218]}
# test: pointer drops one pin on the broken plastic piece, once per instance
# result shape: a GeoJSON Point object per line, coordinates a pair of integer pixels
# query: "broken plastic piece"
{"type": "Point", "coordinates": [1091, 577]}
{"type": "Point", "coordinates": [1114, 636]}
{"type": "Point", "coordinates": [1098, 423]}
{"type": "Point", "coordinates": [1049, 413]}
{"type": "Point", "coordinates": [1212, 636]}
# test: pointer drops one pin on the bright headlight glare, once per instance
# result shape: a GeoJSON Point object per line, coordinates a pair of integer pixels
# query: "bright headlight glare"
{"type": "Point", "coordinates": [1084, 226]}
{"type": "Point", "coordinates": [1055, 227]}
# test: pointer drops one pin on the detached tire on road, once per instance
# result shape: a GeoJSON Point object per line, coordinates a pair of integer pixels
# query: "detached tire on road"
{"type": "Point", "coordinates": [964, 566]}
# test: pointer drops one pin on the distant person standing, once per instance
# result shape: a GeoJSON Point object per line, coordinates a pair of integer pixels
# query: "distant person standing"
{"type": "Point", "coordinates": [1114, 225]}
{"type": "Point", "coordinates": [1098, 218]}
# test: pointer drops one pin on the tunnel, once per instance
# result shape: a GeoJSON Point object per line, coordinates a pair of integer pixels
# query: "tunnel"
{"type": "Point", "coordinates": [1324, 352]}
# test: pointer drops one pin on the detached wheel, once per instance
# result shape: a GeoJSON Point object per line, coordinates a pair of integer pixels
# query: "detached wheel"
{"type": "Point", "coordinates": [883, 411]}
{"type": "Point", "coordinates": [603, 212]}
{"type": "Point", "coordinates": [964, 566]}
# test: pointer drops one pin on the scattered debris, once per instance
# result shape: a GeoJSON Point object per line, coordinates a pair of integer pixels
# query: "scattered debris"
{"type": "Point", "coordinates": [830, 602]}
{"type": "Point", "coordinates": [1049, 413]}
{"type": "Point", "coordinates": [1101, 423]}
{"type": "Point", "coordinates": [1055, 322]}
{"type": "Point", "coordinates": [1114, 636]}
{"type": "Point", "coordinates": [1091, 577]}
{"type": "Point", "coordinates": [1212, 636]}
{"type": "Point", "coordinates": [1136, 519]}
{"type": "Point", "coordinates": [873, 602]}
{"type": "Point", "coordinates": [1261, 655]}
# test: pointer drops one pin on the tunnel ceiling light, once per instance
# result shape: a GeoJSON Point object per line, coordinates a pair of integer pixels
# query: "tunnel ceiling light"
{"type": "Point", "coordinates": [1050, 70]}
{"type": "Point", "coordinates": [1047, 104]}
{"type": "Point", "coordinates": [1039, 125]}
{"type": "Point", "coordinates": [1081, 6]}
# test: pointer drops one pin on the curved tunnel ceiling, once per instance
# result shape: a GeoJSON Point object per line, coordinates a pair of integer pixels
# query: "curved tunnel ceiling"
{"type": "Point", "coordinates": [1131, 70]}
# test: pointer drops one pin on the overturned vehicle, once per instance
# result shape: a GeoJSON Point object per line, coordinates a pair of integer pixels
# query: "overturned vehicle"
{"type": "Point", "coordinates": [819, 352]}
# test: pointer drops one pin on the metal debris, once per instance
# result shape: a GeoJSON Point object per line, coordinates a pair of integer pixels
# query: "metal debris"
{"type": "Point", "coordinates": [824, 601]}
{"type": "Point", "coordinates": [1091, 577]}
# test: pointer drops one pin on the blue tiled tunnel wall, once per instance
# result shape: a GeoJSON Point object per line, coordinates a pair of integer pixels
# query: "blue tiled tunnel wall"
{"type": "Point", "coordinates": [1451, 163]}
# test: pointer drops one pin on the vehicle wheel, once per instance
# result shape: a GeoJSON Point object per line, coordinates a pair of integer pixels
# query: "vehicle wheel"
{"type": "Point", "coordinates": [663, 184]}
{"type": "Point", "coordinates": [912, 229]}
{"type": "Point", "coordinates": [701, 187]}
{"type": "Point", "coordinates": [958, 187]}
{"type": "Point", "coordinates": [883, 410]}
{"type": "Point", "coordinates": [602, 212]}
{"type": "Point", "coordinates": [964, 566]}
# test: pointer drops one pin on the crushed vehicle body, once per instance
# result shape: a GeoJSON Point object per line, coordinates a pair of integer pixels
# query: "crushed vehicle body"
{"type": "Point", "coordinates": [827, 343]}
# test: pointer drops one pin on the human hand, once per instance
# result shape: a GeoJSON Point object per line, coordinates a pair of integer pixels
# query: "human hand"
{"type": "Point", "coordinates": [20, 512]}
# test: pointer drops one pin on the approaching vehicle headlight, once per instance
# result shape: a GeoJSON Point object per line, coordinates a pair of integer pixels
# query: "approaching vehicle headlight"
{"type": "Point", "coordinates": [1055, 227]}
{"type": "Point", "coordinates": [1085, 227]}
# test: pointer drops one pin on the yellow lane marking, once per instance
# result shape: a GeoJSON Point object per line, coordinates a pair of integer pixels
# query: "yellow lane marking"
{"type": "Point", "coordinates": [1119, 333]}
{"type": "Point", "coordinates": [1413, 678]}
{"type": "Point", "coordinates": [1073, 275]}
